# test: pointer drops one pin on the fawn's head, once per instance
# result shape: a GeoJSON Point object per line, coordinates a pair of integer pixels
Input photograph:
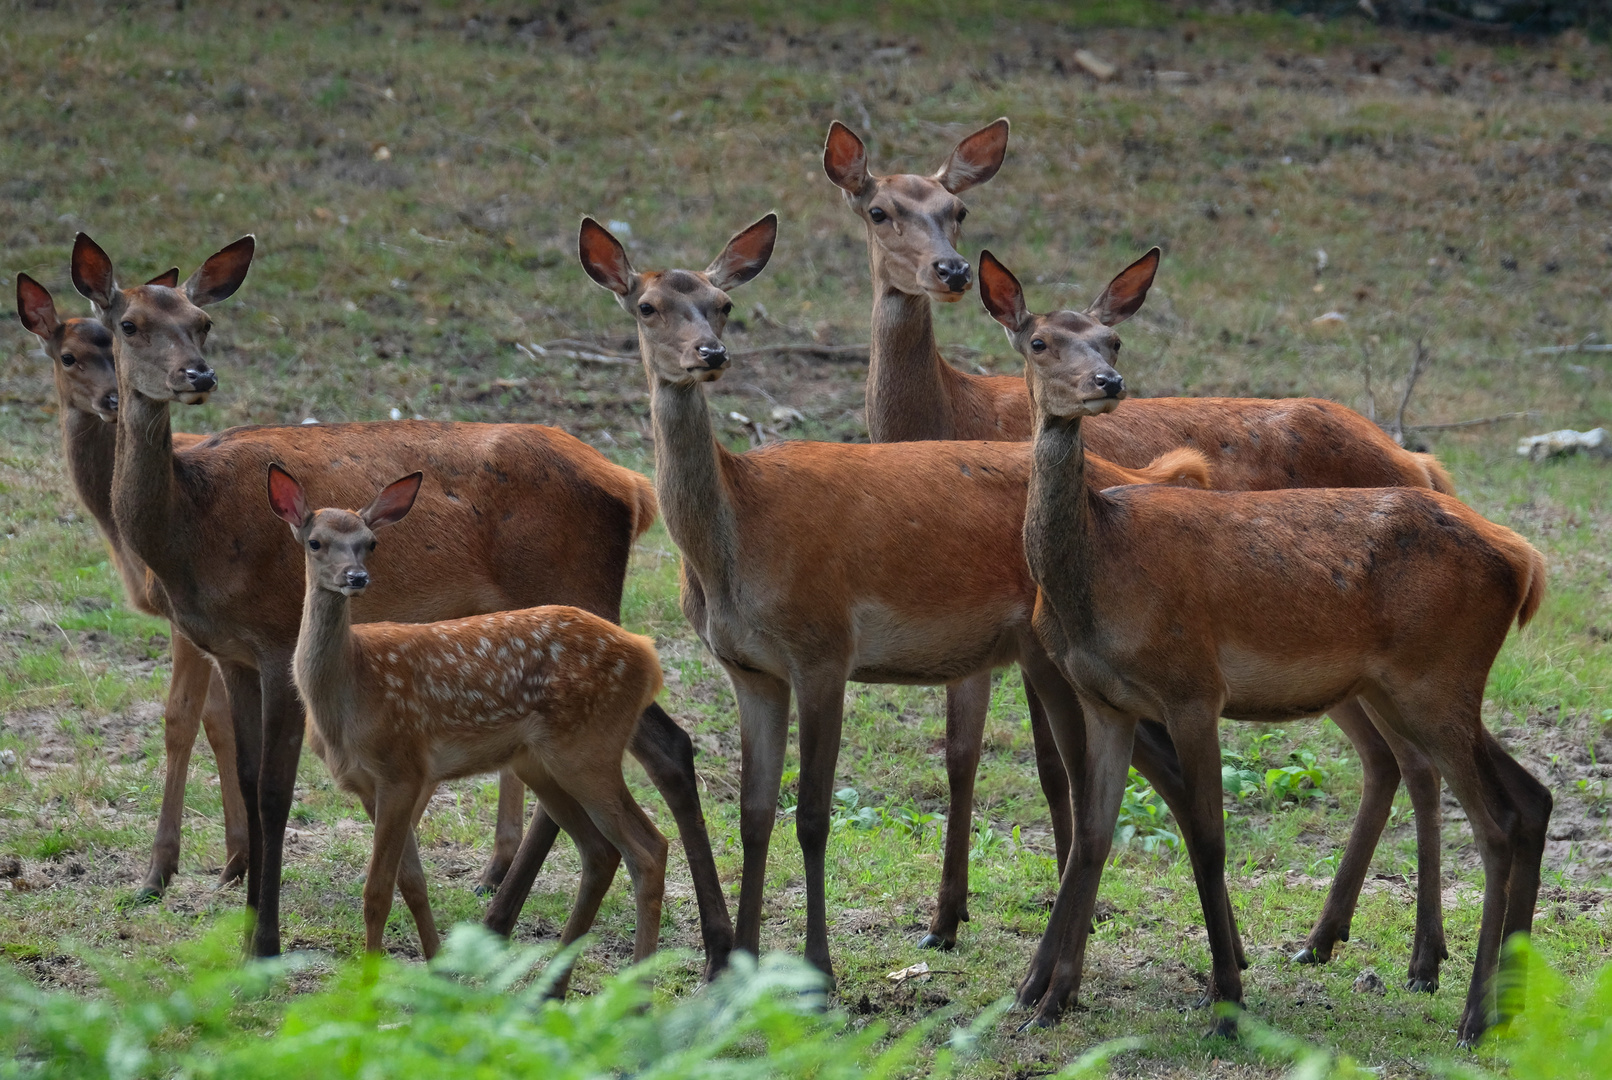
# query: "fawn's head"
{"type": "Point", "coordinates": [80, 351]}
{"type": "Point", "coordinates": [680, 313]}
{"type": "Point", "coordinates": [158, 330]}
{"type": "Point", "coordinates": [338, 542]}
{"type": "Point", "coordinates": [912, 220]}
{"type": "Point", "coordinates": [1069, 355]}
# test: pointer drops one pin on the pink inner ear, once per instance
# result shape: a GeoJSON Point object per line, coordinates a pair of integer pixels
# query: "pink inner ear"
{"type": "Point", "coordinates": [286, 498]}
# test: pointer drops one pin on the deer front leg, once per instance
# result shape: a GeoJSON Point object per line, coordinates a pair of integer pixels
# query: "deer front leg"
{"type": "Point", "coordinates": [763, 736]}
{"type": "Point", "coordinates": [821, 700]}
{"type": "Point", "coordinates": [187, 697]}
{"type": "Point", "coordinates": [395, 804]}
{"type": "Point", "coordinates": [967, 702]}
{"type": "Point", "coordinates": [282, 746]}
{"type": "Point", "coordinates": [245, 691]}
{"type": "Point", "coordinates": [507, 833]}
{"type": "Point", "coordinates": [220, 731]}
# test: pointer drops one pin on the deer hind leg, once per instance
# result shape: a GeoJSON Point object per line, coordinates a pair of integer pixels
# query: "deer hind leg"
{"type": "Point", "coordinates": [821, 700]}
{"type": "Point", "coordinates": [505, 909]}
{"type": "Point", "coordinates": [507, 834]}
{"type": "Point", "coordinates": [667, 755]}
{"type": "Point", "coordinates": [642, 847]}
{"type": "Point", "coordinates": [763, 736]}
{"type": "Point", "coordinates": [967, 702]}
{"type": "Point", "coordinates": [187, 697]}
{"type": "Point", "coordinates": [1054, 780]}
{"type": "Point", "coordinates": [220, 731]}
{"type": "Point", "coordinates": [1424, 783]}
{"type": "Point", "coordinates": [1156, 759]}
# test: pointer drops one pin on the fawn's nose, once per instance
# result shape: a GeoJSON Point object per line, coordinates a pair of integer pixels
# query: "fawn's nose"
{"type": "Point", "coordinates": [712, 354]}
{"type": "Point", "coordinates": [1111, 383]}
{"type": "Point", "coordinates": [954, 272]}
{"type": "Point", "coordinates": [109, 403]}
{"type": "Point", "coordinates": [356, 579]}
{"type": "Point", "coordinates": [201, 379]}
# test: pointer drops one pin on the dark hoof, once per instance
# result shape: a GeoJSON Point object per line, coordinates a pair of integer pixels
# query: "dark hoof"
{"type": "Point", "coordinates": [935, 941]}
{"type": "Point", "coordinates": [231, 875]}
{"type": "Point", "coordinates": [484, 889]}
{"type": "Point", "coordinates": [1308, 955]}
{"type": "Point", "coordinates": [1038, 1021]}
{"type": "Point", "coordinates": [148, 894]}
{"type": "Point", "coordinates": [1421, 986]}
{"type": "Point", "coordinates": [1224, 1028]}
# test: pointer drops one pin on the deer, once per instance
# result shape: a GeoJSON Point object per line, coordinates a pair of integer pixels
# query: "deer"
{"type": "Point", "coordinates": [80, 351]}
{"type": "Point", "coordinates": [913, 223]}
{"type": "Point", "coordinates": [512, 516]}
{"type": "Point", "coordinates": [552, 692]}
{"type": "Point", "coordinates": [1263, 606]}
{"type": "Point", "coordinates": [798, 569]}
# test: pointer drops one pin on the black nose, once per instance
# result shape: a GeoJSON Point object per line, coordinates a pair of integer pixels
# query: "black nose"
{"type": "Point", "coordinates": [357, 579]}
{"type": "Point", "coordinates": [954, 272]}
{"type": "Point", "coordinates": [1111, 383]}
{"type": "Point", "coordinates": [110, 402]}
{"type": "Point", "coordinates": [201, 379]}
{"type": "Point", "coordinates": [714, 355]}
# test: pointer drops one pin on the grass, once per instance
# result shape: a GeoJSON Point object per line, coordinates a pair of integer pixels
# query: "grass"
{"type": "Point", "coordinates": [1460, 192]}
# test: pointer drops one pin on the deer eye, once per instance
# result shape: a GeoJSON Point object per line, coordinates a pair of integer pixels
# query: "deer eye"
{"type": "Point", "coordinates": [646, 310]}
{"type": "Point", "coordinates": [962, 212]}
{"type": "Point", "coordinates": [1116, 347]}
{"type": "Point", "coordinates": [1038, 345]}
{"type": "Point", "coordinates": [313, 545]}
{"type": "Point", "coordinates": [68, 359]}
{"type": "Point", "coordinates": [128, 327]}
{"type": "Point", "coordinates": [727, 308]}
{"type": "Point", "coordinates": [879, 216]}
{"type": "Point", "coordinates": [373, 544]}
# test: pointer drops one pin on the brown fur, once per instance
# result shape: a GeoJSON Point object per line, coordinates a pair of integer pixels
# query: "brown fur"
{"type": "Point", "coordinates": [513, 516]}
{"type": "Point", "coordinates": [1183, 607]}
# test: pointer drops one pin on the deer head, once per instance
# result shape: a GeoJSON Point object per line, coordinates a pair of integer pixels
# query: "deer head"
{"type": "Point", "coordinates": [339, 542]}
{"type": "Point", "coordinates": [158, 330]}
{"type": "Point", "coordinates": [1069, 355]}
{"type": "Point", "coordinates": [680, 313]}
{"type": "Point", "coordinates": [913, 221]}
{"type": "Point", "coordinates": [80, 351]}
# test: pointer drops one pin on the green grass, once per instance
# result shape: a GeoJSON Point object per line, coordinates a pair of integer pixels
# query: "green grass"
{"type": "Point", "coordinates": [406, 280]}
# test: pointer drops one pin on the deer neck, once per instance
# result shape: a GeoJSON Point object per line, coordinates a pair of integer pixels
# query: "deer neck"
{"type": "Point", "coordinates": [691, 485]}
{"type": "Point", "coordinates": [1060, 541]}
{"type": "Point", "coordinates": [89, 445]}
{"type": "Point", "coordinates": [906, 394]}
{"type": "Point", "coordinates": [144, 487]}
{"type": "Point", "coordinates": [326, 662]}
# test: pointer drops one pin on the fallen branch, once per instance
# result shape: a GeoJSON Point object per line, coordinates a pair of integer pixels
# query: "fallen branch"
{"type": "Point", "coordinates": [1558, 350]}
{"type": "Point", "coordinates": [1478, 422]}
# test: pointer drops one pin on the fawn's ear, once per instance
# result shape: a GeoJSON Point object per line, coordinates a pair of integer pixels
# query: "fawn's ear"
{"type": "Point", "coordinates": [1124, 295]}
{"type": "Point", "coordinates": [975, 159]}
{"type": "Point", "coordinates": [845, 159]}
{"type": "Point", "coordinates": [286, 498]}
{"type": "Point", "coordinates": [168, 279]}
{"type": "Point", "coordinates": [92, 272]}
{"type": "Point", "coordinates": [393, 502]}
{"type": "Point", "coordinates": [1002, 294]}
{"type": "Point", "coordinates": [604, 258]}
{"type": "Point", "coordinates": [35, 307]}
{"type": "Point", "coordinates": [745, 256]}
{"type": "Point", "coordinates": [222, 273]}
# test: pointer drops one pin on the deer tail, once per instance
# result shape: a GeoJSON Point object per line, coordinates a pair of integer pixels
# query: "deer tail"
{"type": "Point", "coordinates": [1533, 575]}
{"type": "Point", "coordinates": [644, 506]}
{"type": "Point", "coordinates": [1438, 477]}
{"type": "Point", "coordinates": [1181, 467]}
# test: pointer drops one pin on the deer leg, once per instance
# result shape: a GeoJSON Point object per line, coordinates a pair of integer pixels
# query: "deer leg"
{"type": "Point", "coordinates": [667, 754]}
{"type": "Point", "coordinates": [1195, 733]}
{"type": "Point", "coordinates": [821, 700]}
{"type": "Point", "coordinates": [245, 692]}
{"type": "Point", "coordinates": [411, 877]}
{"type": "Point", "coordinates": [1424, 783]}
{"type": "Point", "coordinates": [1096, 748]}
{"type": "Point", "coordinates": [1532, 804]}
{"type": "Point", "coordinates": [967, 702]}
{"type": "Point", "coordinates": [1054, 781]}
{"type": "Point", "coordinates": [220, 731]}
{"type": "Point", "coordinates": [763, 736]}
{"type": "Point", "coordinates": [1155, 757]}
{"type": "Point", "coordinates": [187, 697]}
{"type": "Point", "coordinates": [282, 746]}
{"type": "Point", "coordinates": [505, 910]}
{"type": "Point", "coordinates": [506, 834]}
{"type": "Point", "coordinates": [1381, 780]}
{"type": "Point", "coordinates": [395, 804]}
{"type": "Point", "coordinates": [643, 848]}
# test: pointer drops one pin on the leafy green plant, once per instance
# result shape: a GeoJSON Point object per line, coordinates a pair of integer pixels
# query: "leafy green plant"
{"type": "Point", "coordinates": [849, 813]}
{"type": "Point", "coordinates": [1142, 815]}
{"type": "Point", "coordinates": [1299, 780]}
{"type": "Point", "coordinates": [910, 821]}
{"type": "Point", "coordinates": [1238, 776]}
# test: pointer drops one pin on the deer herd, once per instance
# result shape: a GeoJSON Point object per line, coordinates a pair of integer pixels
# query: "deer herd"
{"type": "Point", "coordinates": [1152, 565]}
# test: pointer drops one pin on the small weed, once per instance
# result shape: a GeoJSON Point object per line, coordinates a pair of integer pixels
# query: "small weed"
{"type": "Point", "coordinates": [1142, 815]}
{"type": "Point", "coordinates": [1300, 780]}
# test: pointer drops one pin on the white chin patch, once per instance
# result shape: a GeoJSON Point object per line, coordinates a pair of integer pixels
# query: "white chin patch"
{"type": "Point", "coordinates": [946, 296]}
{"type": "Point", "coordinates": [349, 590]}
{"type": "Point", "coordinates": [1097, 406]}
{"type": "Point", "coordinates": [192, 398]}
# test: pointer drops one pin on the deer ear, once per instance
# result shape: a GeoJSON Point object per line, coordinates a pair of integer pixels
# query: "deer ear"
{"type": "Point", "coordinates": [976, 159]}
{"type": "Point", "coordinates": [745, 256]}
{"type": "Point", "coordinates": [219, 277]}
{"type": "Point", "coordinates": [168, 279]}
{"type": "Point", "coordinates": [1124, 295]}
{"type": "Point", "coordinates": [286, 498]}
{"type": "Point", "coordinates": [35, 307]}
{"type": "Point", "coordinates": [92, 271]}
{"type": "Point", "coordinates": [1002, 293]}
{"type": "Point", "coordinates": [604, 258]}
{"type": "Point", "coordinates": [845, 159]}
{"type": "Point", "coordinates": [393, 503]}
